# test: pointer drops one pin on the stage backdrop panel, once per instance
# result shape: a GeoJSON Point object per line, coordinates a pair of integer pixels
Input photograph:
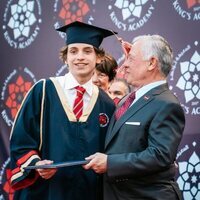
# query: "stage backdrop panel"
{"type": "Point", "coordinates": [29, 47]}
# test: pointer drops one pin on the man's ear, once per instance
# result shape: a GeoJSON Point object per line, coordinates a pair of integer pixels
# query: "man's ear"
{"type": "Point", "coordinates": [153, 63]}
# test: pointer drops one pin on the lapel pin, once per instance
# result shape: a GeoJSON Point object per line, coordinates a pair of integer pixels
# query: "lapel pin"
{"type": "Point", "coordinates": [146, 98]}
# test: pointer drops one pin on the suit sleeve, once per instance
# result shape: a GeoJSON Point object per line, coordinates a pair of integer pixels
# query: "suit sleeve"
{"type": "Point", "coordinates": [25, 139]}
{"type": "Point", "coordinates": [164, 134]}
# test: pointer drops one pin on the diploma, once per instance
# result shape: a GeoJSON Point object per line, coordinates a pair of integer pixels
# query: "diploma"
{"type": "Point", "coordinates": [58, 165]}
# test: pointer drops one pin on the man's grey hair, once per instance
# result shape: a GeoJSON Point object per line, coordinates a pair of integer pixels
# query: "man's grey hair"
{"type": "Point", "coordinates": [157, 46]}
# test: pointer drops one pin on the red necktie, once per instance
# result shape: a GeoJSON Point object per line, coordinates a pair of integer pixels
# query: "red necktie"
{"type": "Point", "coordinates": [121, 110]}
{"type": "Point", "coordinates": [78, 103]}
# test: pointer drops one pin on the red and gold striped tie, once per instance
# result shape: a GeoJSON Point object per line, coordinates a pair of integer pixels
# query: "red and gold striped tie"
{"type": "Point", "coordinates": [78, 103]}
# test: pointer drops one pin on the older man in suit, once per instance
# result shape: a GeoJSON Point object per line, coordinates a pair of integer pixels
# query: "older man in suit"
{"type": "Point", "coordinates": [146, 129]}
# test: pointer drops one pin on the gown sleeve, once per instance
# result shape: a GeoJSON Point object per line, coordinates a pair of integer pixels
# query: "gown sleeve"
{"type": "Point", "coordinates": [25, 140]}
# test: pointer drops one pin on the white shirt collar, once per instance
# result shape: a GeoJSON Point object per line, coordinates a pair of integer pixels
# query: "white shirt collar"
{"type": "Point", "coordinates": [71, 83]}
{"type": "Point", "coordinates": [143, 90]}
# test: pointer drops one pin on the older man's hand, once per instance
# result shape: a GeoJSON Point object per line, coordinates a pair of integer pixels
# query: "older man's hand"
{"type": "Point", "coordinates": [98, 162]}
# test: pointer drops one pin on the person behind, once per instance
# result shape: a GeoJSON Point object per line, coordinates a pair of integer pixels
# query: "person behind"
{"type": "Point", "coordinates": [142, 141]}
{"type": "Point", "coordinates": [118, 89]}
{"type": "Point", "coordinates": [63, 119]}
{"type": "Point", "coordinates": [105, 72]}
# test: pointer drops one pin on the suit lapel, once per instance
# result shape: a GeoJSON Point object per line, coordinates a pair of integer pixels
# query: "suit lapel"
{"type": "Point", "coordinates": [140, 103]}
{"type": "Point", "coordinates": [117, 125]}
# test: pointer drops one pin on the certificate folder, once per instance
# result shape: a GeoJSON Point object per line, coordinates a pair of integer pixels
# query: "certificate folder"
{"type": "Point", "coordinates": [58, 165]}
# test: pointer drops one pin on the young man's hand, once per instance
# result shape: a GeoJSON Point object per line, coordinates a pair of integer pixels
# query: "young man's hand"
{"type": "Point", "coordinates": [46, 173]}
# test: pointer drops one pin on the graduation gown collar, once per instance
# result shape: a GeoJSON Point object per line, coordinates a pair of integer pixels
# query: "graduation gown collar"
{"type": "Point", "coordinates": [65, 104]}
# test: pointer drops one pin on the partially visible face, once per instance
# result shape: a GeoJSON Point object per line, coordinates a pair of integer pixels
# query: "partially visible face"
{"type": "Point", "coordinates": [101, 80]}
{"type": "Point", "coordinates": [81, 60]}
{"type": "Point", "coordinates": [136, 68]}
{"type": "Point", "coordinates": [117, 90]}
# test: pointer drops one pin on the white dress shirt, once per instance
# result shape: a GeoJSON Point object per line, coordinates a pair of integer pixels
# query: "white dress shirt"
{"type": "Point", "coordinates": [68, 84]}
{"type": "Point", "coordinates": [143, 90]}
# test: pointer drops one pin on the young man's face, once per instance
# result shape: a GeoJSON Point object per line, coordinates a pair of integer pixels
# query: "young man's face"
{"type": "Point", "coordinates": [81, 59]}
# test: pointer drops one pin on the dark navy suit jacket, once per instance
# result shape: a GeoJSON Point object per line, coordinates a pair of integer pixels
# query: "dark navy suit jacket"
{"type": "Point", "coordinates": [142, 147]}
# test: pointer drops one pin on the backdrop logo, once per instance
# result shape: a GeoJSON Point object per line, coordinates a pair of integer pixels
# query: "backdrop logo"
{"type": "Point", "coordinates": [67, 11]}
{"type": "Point", "coordinates": [6, 191]}
{"type": "Point", "coordinates": [21, 22]}
{"type": "Point", "coordinates": [188, 167]}
{"type": "Point", "coordinates": [13, 91]}
{"type": "Point", "coordinates": [185, 77]}
{"type": "Point", "coordinates": [129, 15]}
{"type": "Point", "coordinates": [188, 9]}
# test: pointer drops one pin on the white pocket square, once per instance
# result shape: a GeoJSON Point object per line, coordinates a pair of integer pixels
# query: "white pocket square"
{"type": "Point", "coordinates": [133, 123]}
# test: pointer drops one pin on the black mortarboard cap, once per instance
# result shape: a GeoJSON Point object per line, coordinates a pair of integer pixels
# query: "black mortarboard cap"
{"type": "Point", "coordinates": [79, 32]}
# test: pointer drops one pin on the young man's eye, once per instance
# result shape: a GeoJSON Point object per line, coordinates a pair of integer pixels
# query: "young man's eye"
{"type": "Point", "coordinates": [72, 50]}
{"type": "Point", "coordinates": [88, 51]}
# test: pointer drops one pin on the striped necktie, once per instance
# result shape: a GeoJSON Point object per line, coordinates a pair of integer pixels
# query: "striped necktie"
{"type": "Point", "coordinates": [78, 103]}
{"type": "Point", "coordinates": [121, 110]}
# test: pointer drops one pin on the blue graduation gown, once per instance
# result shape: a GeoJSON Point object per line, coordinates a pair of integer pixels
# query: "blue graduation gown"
{"type": "Point", "coordinates": [46, 128]}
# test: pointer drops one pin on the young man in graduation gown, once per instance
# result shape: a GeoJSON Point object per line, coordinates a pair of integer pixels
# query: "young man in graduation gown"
{"type": "Point", "coordinates": [62, 119]}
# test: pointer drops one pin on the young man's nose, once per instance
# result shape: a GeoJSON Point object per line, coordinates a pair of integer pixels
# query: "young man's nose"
{"type": "Point", "coordinates": [80, 55]}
